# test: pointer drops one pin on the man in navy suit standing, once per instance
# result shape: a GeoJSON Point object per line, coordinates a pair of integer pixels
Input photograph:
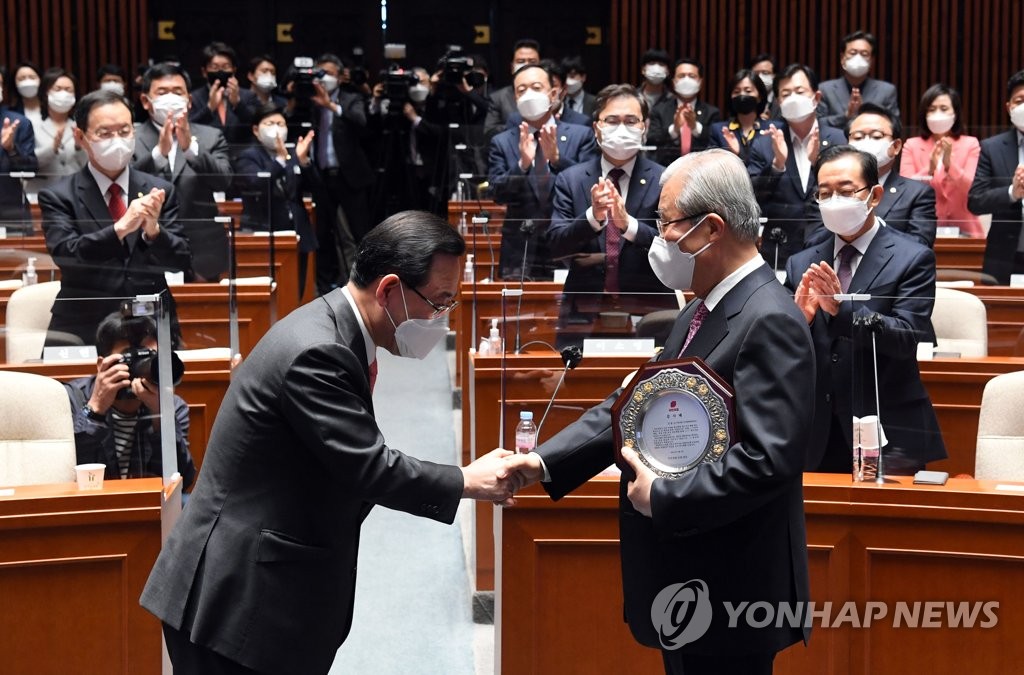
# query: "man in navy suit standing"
{"type": "Point", "coordinates": [605, 211]}
{"type": "Point", "coordinates": [998, 189]}
{"type": "Point", "coordinates": [898, 273]}
{"type": "Point", "coordinates": [523, 164]}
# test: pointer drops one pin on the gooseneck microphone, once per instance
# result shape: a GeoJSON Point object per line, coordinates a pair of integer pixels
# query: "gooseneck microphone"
{"type": "Point", "coordinates": [571, 357]}
{"type": "Point", "coordinates": [527, 227]}
{"type": "Point", "coordinates": [778, 235]}
{"type": "Point", "coordinates": [872, 323]}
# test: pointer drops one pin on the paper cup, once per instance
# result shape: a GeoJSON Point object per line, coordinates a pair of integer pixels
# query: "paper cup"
{"type": "Point", "coordinates": [90, 476]}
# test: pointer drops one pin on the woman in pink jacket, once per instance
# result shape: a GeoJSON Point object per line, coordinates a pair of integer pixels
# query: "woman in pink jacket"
{"type": "Point", "coordinates": [944, 157]}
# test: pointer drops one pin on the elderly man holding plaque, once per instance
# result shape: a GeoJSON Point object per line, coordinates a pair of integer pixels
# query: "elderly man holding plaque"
{"type": "Point", "coordinates": [719, 518]}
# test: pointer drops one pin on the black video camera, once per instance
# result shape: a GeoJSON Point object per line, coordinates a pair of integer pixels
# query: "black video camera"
{"type": "Point", "coordinates": [396, 87]}
{"type": "Point", "coordinates": [142, 362]}
{"type": "Point", "coordinates": [304, 73]}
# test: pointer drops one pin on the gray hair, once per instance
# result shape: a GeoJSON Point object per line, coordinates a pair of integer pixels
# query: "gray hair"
{"type": "Point", "coordinates": [717, 182]}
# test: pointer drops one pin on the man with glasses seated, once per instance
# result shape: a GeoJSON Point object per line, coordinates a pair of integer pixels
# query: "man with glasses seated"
{"type": "Point", "coordinates": [604, 217]}
{"type": "Point", "coordinates": [862, 255]}
{"type": "Point", "coordinates": [112, 230]}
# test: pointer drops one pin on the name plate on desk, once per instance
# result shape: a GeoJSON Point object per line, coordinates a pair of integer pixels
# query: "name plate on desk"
{"type": "Point", "coordinates": [676, 415]}
{"type": "Point", "coordinates": [65, 354]}
{"type": "Point", "coordinates": [618, 347]}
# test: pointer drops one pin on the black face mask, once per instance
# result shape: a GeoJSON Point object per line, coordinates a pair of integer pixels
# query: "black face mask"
{"type": "Point", "coordinates": [744, 104]}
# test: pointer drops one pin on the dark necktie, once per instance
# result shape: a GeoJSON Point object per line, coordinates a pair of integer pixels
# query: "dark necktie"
{"type": "Point", "coordinates": [845, 271]}
{"type": "Point", "coordinates": [612, 241]}
{"type": "Point", "coordinates": [695, 324]}
{"type": "Point", "coordinates": [540, 162]}
{"type": "Point", "coordinates": [114, 202]}
{"type": "Point", "coordinates": [373, 375]}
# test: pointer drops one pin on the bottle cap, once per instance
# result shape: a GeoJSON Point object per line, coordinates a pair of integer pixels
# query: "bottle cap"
{"type": "Point", "coordinates": [525, 415]}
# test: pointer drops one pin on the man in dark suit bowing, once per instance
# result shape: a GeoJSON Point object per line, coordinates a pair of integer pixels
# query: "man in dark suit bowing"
{"type": "Point", "coordinates": [998, 188]}
{"type": "Point", "coordinates": [898, 273]}
{"type": "Point", "coordinates": [112, 230]}
{"type": "Point", "coordinates": [604, 213]}
{"type": "Point", "coordinates": [259, 574]}
{"type": "Point", "coordinates": [194, 157]}
{"type": "Point", "coordinates": [522, 166]}
{"type": "Point", "coordinates": [710, 524]}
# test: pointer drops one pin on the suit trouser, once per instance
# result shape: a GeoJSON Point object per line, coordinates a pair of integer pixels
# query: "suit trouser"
{"type": "Point", "coordinates": [724, 664]}
{"type": "Point", "coordinates": [188, 657]}
{"type": "Point", "coordinates": [341, 223]}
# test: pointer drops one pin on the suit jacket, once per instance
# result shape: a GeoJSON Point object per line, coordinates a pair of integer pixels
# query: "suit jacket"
{"type": "Point", "coordinates": [784, 201]}
{"type": "Point", "coordinates": [528, 195]}
{"type": "Point", "coordinates": [237, 125]}
{"type": "Point", "coordinates": [278, 198]}
{"type": "Point", "coordinates": [662, 116]}
{"type": "Point", "coordinates": [835, 97]}
{"type": "Point", "coordinates": [899, 274]}
{"type": "Point", "coordinates": [502, 103]}
{"type": "Point", "coordinates": [572, 234]}
{"type": "Point", "coordinates": [712, 522]}
{"type": "Point", "coordinates": [195, 180]}
{"type": "Point", "coordinates": [13, 206]}
{"type": "Point", "coordinates": [261, 566]}
{"type": "Point", "coordinates": [347, 131]}
{"type": "Point", "coordinates": [990, 193]}
{"type": "Point", "coordinates": [951, 188]}
{"type": "Point", "coordinates": [93, 263]}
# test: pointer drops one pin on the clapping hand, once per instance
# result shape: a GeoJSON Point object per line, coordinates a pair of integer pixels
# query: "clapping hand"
{"type": "Point", "coordinates": [779, 147]}
{"type": "Point", "coordinates": [7, 134]}
{"type": "Point", "coordinates": [527, 147]}
{"type": "Point", "coordinates": [853, 107]}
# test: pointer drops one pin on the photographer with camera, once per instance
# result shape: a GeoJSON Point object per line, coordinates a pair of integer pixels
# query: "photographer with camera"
{"type": "Point", "coordinates": [116, 412]}
{"type": "Point", "coordinates": [221, 103]}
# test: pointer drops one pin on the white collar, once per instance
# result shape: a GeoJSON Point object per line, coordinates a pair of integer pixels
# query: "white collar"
{"type": "Point", "coordinates": [861, 243]}
{"type": "Point", "coordinates": [802, 141]}
{"type": "Point", "coordinates": [104, 183]}
{"type": "Point", "coordinates": [371, 349]}
{"type": "Point", "coordinates": [730, 282]}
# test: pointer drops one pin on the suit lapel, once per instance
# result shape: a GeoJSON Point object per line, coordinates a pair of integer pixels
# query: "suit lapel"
{"type": "Point", "coordinates": [639, 183]}
{"type": "Point", "coordinates": [873, 261]}
{"type": "Point", "coordinates": [892, 194]}
{"type": "Point", "coordinates": [95, 203]}
{"type": "Point", "coordinates": [716, 325]}
{"type": "Point", "coordinates": [1010, 156]}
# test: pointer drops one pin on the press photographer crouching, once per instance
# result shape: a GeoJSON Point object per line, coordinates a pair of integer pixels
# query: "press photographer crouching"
{"type": "Point", "coordinates": [117, 411]}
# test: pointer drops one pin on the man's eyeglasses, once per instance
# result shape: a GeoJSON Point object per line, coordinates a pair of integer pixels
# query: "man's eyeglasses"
{"type": "Point", "coordinates": [631, 121]}
{"type": "Point", "coordinates": [105, 134]}
{"type": "Point", "coordinates": [664, 225]}
{"type": "Point", "coordinates": [439, 310]}
{"type": "Point", "coordinates": [846, 192]}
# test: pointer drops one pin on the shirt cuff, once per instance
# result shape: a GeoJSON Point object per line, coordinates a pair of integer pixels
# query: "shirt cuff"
{"type": "Point", "coordinates": [547, 474]}
{"type": "Point", "coordinates": [193, 148]}
{"type": "Point", "coordinates": [282, 162]}
{"type": "Point", "coordinates": [632, 227]}
{"type": "Point", "coordinates": [673, 132]}
{"type": "Point", "coordinates": [1009, 191]}
{"type": "Point", "coordinates": [594, 222]}
{"type": "Point", "coordinates": [159, 160]}
{"type": "Point", "coordinates": [337, 109]}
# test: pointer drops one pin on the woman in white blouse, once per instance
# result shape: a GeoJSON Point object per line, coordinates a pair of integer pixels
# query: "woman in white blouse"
{"type": "Point", "coordinates": [55, 141]}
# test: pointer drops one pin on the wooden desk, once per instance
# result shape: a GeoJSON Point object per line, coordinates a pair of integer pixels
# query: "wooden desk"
{"type": "Point", "coordinates": [203, 388]}
{"type": "Point", "coordinates": [960, 254]}
{"type": "Point", "coordinates": [72, 568]}
{"type": "Point", "coordinates": [473, 208]}
{"type": "Point", "coordinates": [559, 592]}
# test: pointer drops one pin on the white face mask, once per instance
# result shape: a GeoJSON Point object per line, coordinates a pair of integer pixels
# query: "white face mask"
{"type": "Point", "coordinates": [113, 154]}
{"type": "Point", "coordinates": [796, 107]}
{"type": "Point", "coordinates": [940, 123]}
{"type": "Point", "coordinates": [844, 215]}
{"type": "Point", "coordinates": [622, 142]}
{"type": "Point", "coordinates": [573, 85]}
{"type": "Point", "coordinates": [266, 82]}
{"type": "Point", "coordinates": [60, 101]}
{"type": "Point", "coordinates": [856, 66]}
{"type": "Point", "coordinates": [28, 88]}
{"type": "Point", "coordinates": [115, 87]}
{"type": "Point", "coordinates": [167, 105]}
{"type": "Point", "coordinates": [768, 79]}
{"type": "Point", "coordinates": [687, 87]}
{"type": "Point", "coordinates": [269, 134]}
{"type": "Point", "coordinates": [655, 73]}
{"type": "Point", "coordinates": [417, 337]}
{"type": "Point", "coordinates": [877, 147]}
{"type": "Point", "coordinates": [673, 266]}
{"type": "Point", "coordinates": [418, 93]}
{"type": "Point", "coordinates": [330, 83]}
{"type": "Point", "coordinates": [1017, 116]}
{"type": "Point", "coordinates": [533, 105]}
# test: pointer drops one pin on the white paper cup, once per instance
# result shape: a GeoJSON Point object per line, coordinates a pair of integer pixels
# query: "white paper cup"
{"type": "Point", "coordinates": [1016, 280]}
{"type": "Point", "coordinates": [925, 351]}
{"type": "Point", "coordinates": [90, 476]}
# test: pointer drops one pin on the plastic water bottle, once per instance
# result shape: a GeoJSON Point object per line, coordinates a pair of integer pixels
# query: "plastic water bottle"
{"type": "Point", "coordinates": [526, 433]}
{"type": "Point", "coordinates": [467, 273]}
{"type": "Point", "coordinates": [29, 276]}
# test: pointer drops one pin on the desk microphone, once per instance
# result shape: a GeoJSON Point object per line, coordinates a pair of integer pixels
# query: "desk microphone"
{"type": "Point", "coordinates": [872, 323]}
{"type": "Point", "coordinates": [527, 227]}
{"type": "Point", "coordinates": [778, 235]}
{"type": "Point", "coordinates": [571, 357]}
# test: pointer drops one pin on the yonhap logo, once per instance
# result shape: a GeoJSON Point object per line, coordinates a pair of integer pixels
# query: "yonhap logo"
{"type": "Point", "coordinates": [681, 613]}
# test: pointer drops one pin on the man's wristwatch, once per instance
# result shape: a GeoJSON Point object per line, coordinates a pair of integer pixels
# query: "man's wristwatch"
{"type": "Point", "coordinates": [93, 415]}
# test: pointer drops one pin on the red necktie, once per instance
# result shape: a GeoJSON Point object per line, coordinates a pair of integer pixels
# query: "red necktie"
{"type": "Point", "coordinates": [222, 111]}
{"type": "Point", "coordinates": [115, 204]}
{"type": "Point", "coordinates": [373, 375]}
{"type": "Point", "coordinates": [612, 242]}
{"type": "Point", "coordinates": [695, 323]}
{"type": "Point", "coordinates": [685, 139]}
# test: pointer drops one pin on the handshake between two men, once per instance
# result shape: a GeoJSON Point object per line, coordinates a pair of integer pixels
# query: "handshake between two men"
{"type": "Point", "coordinates": [500, 474]}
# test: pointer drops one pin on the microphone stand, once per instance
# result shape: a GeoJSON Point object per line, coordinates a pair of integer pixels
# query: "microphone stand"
{"type": "Point", "coordinates": [872, 323]}
{"type": "Point", "coordinates": [527, 229]}
{"type": "Point", "coordinates": [571, 356]}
